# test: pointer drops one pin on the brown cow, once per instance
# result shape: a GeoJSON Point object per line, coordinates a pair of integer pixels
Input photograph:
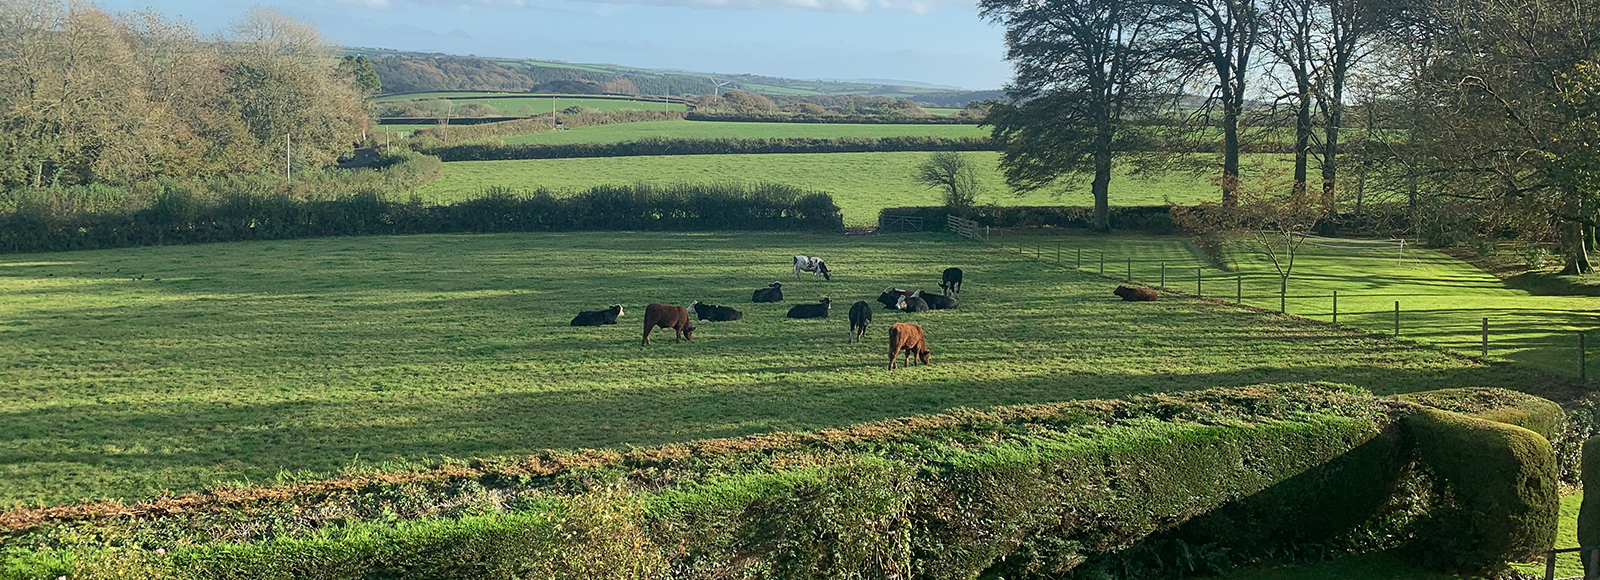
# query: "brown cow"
{"type": "Point", "coordinates": [907, 338]}
{"type": "Point", "coordinates": [667, 316]}
{"type": "Point", "coordinates": [1135, 294]}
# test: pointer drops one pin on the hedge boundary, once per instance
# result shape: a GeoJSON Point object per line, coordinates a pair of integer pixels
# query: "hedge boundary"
{"type": "Point", "coordinates": [1157, 486]}
{"type": "Point", "coordinates": [718, 146]}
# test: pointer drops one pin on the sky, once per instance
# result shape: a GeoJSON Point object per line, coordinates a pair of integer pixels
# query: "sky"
{"type": "Point", "coordinates": [932, 41]}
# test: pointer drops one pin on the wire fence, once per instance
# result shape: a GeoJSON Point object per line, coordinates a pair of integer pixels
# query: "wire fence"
{"type": "Point", "coordinates": [1550, 333]}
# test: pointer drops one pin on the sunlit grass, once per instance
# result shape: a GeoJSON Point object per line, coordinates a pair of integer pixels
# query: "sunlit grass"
{"type": "Point", "coordinates": [620, 132]}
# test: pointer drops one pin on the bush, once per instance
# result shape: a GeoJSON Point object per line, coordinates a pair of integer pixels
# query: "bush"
{"type": "Point", "coordinates": [719, 146]}
{"type": "Point", "coordinates": [1158, 486]}
{"type": "Point", "coordinates": [1499, 405]}
{"type": "Point", "coordinates": [1498, 490]}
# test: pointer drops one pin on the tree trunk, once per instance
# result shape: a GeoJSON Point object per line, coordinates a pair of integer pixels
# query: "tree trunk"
{"type": "Point", "coordinates": [1230, 150]}
{"type": "Point", "coordinates": [1574, 247]}
{"type": "Point", "coordinates": [1302, 134]}
{"type": "Point", "coordinates": [1102, 178]}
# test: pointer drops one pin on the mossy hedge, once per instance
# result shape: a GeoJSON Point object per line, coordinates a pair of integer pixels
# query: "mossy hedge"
{"type": "Point", "coordinates": [1154, 487]}
{"type": "Point", "coordinates": [1533, 413]}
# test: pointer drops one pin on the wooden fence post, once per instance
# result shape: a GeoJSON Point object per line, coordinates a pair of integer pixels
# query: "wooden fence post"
{"type": "Point", "coordinates": [1102, 262]}
{"type": "Point", "coordinates": [1163, 285]}
{"type": "Point", "coordinates": [1335, 306]}
{"type": "Point", "coordinates": [1197, 282]}
{"type": "Point", "coordinates": [1130, 269]}
{"type": "Point", "coordinates": [1397, 318]}
{"type": "Point", "coordinates": [1238, 296]}
{"type": "Point", "coordinates": [1486, 337]}
{"type": "Point", "coordinates": [1079, 265]}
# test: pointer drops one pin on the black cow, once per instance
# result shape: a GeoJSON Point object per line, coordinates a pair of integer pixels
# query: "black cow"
{"type": "Point", "coordinates": [598, 317]}
{"type": "Point", "coordinates": [860, 317]}
{"type": "Point", "coordinates": [952, 281]}
{"type": "Point", "coordinates": [913, 304]}
{"type": "Point", "coordinates": [772, 293]}
{"type": "Point", "coordinates": [818, 310]}
{"type": "Point", "coordinates": [890, 298]}
{"type": "Point", "coordinates": [937, 301]}
{"type": "Point", "coordinates": [714, 313]}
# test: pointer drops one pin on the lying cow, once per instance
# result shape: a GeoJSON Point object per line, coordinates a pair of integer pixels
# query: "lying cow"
{"type": "Point", "coordinates": [703, 311]}
{"type": "Point", "coordinates": [818, 310]}
{"type": "Point", "coordinates": [952, 281]}
{"type": "Point", "coordinates": [811, 264]}
{"type": "Point", "coordinates": [890, 298]}
{"type": "Point", "coordinates": [907, 338]}
{"type": "Point", "coordinates": [772, 293]}
{"type": "Point", "coordinates": [1135, 294]}
{"type": "Point", "coordinates": [912, 304]}
{"type": "Point", "coordinates": [667, 316]}
{"type": "Point", "coordinates": [936, 301]}
{"type": "Point", "coordinates": [598, 317]}
{"type": "Point", "coordinates": [860, 317]}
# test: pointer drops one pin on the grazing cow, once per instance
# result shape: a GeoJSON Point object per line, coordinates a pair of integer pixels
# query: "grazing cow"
{"type": "Point", "coordinates": [937, 301]}
{"type": "Point", "coordinates": [860, 317]}
{"type": "Point", "coordinates": [598, 317]}
{"type": "Point", "coordinates": [703, 311]}
{"type": "Point", "coordinates": [813, 265]}
{"type": "Point", "coordinates": [772, 293]}
{"type": "Point", "coordinates": [952, 281]}
{"type": "Point", "coordinates": [890, 298]}
{"type": "Point", "coordinates": [818, 310]}
{"type": "Point", "coordinates": [1135, 294]}
{"type": "Point", "coordinates": [907, 338]}
{"type": "Point", "coordinates": [912, 304]}
{"type": "Point", "coordinates": [667, 316]}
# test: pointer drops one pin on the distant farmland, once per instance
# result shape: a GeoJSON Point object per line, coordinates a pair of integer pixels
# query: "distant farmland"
{"type": "Point", "coordinates": [524, 106]}
{"type": "Point", "coordinates": [861, 183]}
{"type": "Point", "coordinates": [717, 129]}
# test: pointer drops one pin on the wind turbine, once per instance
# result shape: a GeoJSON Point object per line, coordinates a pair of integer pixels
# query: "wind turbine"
{"type": "Point", "coordinates": [717, 85]}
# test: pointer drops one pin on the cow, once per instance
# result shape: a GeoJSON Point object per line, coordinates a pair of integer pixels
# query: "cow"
{"type": "Point", "coordinates": [813, 265]}
{"type": "Point", "coordinates": [703, 311]}
{"type": "Point", "coordinates": [1135, 294]}
{"type": "Point", "coordinates": [952, 281]}
{"type": "Point", "coordinates": [890, 298]}
{"type": "Point", "coordinates": [772, 293]}
{"type": "Point", "coordinates": [667, 316]}
{"type": "Point", "coordinates": [912, 304]}
{"type": "Point", "coordinates": [937, 301]}
{"type": "Point", "coordinates": [907, 338]}
{"type": "Point", "coordinates": [818, 310]}
{"type": "Point", "coordinates": [598, 317]}
{"type": "Point", "coordinates": [860, 317]}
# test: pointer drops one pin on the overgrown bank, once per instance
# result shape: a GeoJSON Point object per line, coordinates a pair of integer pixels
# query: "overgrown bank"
{"type": "Point", "coordinates": [1156, 486]}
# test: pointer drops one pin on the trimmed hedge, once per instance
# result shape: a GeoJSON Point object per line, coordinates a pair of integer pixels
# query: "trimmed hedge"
{"type": "Point", "coordinates": [1497, 486]}
{"type": "Point", "coordinates": [1533, 413]}
{"type": "Point", "coordinates": [1153, 219]}
{"type": "Point", "coordinates": [1589, 510]}
{"type": "Point", "coordinates": [1155, 487]}
{"type": "Point", "coordinates": [181, 217]}
{"type": "Point", "coordinates": [721, 146]}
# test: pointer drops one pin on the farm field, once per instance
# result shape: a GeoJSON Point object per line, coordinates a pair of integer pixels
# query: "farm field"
{"type": "Point", "coordinates": [437, 95]}
{"type": "Point", "coordinates": [247, 361]}
{"type": "Point", "coordinates": [621, 132]}
{"type": "Point", "coordinates": [529, 106]}
{"type": "Point", "coordinates": [861, 183]}
{"type": "Point", "coordinates": [1443, 300]}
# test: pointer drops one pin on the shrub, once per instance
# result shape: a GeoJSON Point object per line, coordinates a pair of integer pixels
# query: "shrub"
{"type": "Point", "coordinates": [1500, 498]}
{"type": "Point", "coordinates": [1499, 405]}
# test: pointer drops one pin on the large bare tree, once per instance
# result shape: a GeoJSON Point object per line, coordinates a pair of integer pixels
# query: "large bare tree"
{"type": "Point", "coordinates": [1222, 36]}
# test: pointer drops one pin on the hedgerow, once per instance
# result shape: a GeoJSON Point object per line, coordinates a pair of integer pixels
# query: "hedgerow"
{"type": "Point", "coordinates": [435, 135]}
{"type": "Point", "coordinates": [722, 146]}
{"type": "Point", "coordinates": [846, 119]}
{"type": "Point", "coordinates": [1157, 486]}
{"type": "Point", "coordinates": [182, 215]}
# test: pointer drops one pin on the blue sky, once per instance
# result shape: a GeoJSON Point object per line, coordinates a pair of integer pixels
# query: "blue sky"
{"type": "Point", "coordinates": [933, 41]}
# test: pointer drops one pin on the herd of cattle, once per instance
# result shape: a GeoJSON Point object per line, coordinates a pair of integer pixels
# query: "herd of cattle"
{"type": "Point", "coordinates": [904, 338]}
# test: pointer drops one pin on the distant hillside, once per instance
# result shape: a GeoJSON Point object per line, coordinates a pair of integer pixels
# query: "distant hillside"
{"type": "Point", "coordinates": [407, 72]}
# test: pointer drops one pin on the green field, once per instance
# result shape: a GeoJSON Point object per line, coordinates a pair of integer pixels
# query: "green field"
{"type": "Point", "coordinates": [861, 183]}
{"type": "Point", "coordinates": [246, 360]}
{"type": "Point", "coordinates": [941, 111]}
{"type": "Point", "coordinates": [1443, 300]}
{"type": "Point", "coordinates": [621, 132]}
{"type": "Point", "coordinates": [438, 95]}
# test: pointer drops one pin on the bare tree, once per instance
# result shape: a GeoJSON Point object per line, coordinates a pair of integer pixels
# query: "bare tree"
{"type": "Point", "coordinates": [952, 173]}
{"type": "Point", "coordinates": [1222, 37]}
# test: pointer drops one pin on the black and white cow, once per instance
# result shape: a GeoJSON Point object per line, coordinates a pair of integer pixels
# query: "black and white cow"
{"type": "Point", "coordinates": [936, 301]}
{"type": "Point", "coordinates": [818, 310]}
{"type": "Point", "coordinates": [598, 317]}
{"type": "Point", "coordinates": [772, 293]}
{"type": "Point", "coordinates": [890, 298]}
{"type": "Point", "coordinates": [811, 264]}
{"type": "Point", "coordinates": [952, 281]}
{"type": "Point", "coordinates": [912, 304]}
{"type": "Point", "coordinates": [703, 311]}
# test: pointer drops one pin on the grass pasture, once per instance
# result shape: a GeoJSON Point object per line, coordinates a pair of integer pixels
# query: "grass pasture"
{"type": "Point", "coordinates": [249, 360]}
{"type": "Point", "coordinates": [861, 183]}
{"type": "Point", "coordinates": [622, 132]}
{"type": "Point", "coordinates": [1443, 300]}
{"type": "Point", "coordinates": [509, 106]}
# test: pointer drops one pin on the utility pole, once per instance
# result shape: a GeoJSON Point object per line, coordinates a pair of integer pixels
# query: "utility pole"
{"type": "Point", "coordinates": [287, 148]}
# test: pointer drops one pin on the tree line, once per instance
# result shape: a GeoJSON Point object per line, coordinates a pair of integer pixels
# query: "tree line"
{"type": "Point", "coordinates": [1477, 116]}
{"type": "Point", "coordinates": [89, 97]}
